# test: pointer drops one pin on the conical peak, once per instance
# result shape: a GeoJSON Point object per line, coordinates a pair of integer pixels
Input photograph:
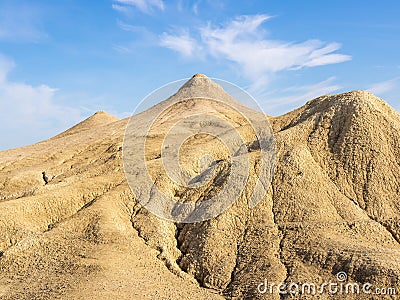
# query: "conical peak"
{"type": "Point", "coordinates": [200, 86]}
{"type": "Point", "coordinates": [199, 80]}
{"type": "Point", "coordinates": [102, 116]}
{"type": "Point", "coordinates": [99, 118]}
{"type": "Point", "coordinates": [199, 76]}
{"type": "Point", "coordinates": [100, 112]}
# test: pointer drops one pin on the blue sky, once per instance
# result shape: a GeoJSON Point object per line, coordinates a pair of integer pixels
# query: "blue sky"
{"type": "Point", "coordinates": [60, 61]}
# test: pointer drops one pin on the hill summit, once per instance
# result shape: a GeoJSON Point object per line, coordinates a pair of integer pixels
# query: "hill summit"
{"type": "Point", "coordinates": [98, 119]}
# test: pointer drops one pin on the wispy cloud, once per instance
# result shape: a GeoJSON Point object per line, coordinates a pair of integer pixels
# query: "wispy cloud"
{"type": "Point", "coordinates": [388, 90]}
{"type": "Point", "coordinates": [384, 87]}
{"type": "Point", "coordinates": [29, 113]}
{"type": "Point", "coordinates": [143, 38]}
{"type": "Point", "coordinates": [195, 7]}
{"type": "Point", "coordinates": [122, 49]}
{"type": "Point", "coordinates": [145, 6]}
{"type": "Point", "coordinates": [244, 42]}
{"type": "Point", "coordinates": [183, 43]}
{"type": "Point", "coordinates": [21, 23]}
{"type": "Point", "coordinates": [128, 27]}
{"type": "Point", "coordinates": [290, 98]}
{"type": "Point", "coordinates": [121, 8]}
{"type": "Point", "coordinates": [6, 65]}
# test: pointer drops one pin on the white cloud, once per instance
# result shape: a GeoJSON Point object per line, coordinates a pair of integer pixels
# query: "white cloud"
{"type": "Point", "coordinates": [6, 65]}
{"type": "Point", "coordinates": [20, 23]}
{"type": "Point", "coordinates": [389, 90]}
{"type": "Point", "coordinates": [120, 8]}
{"type": "Point", "coordinates": [182, 43]}
{"type": "Point", "coordinates": [384, 87]}
{"type": "Point", "coordinates": [145, 6]}
{"type": "Point", "coordinates": [127, 27]}
{"type": "Point", "coordinates": [284, 100]}
{"type": "Point", "coordinates": [325, 55]}
{"type": "Point", "coordinates": [243, 42]}
{"type": "Point", "coordinates": [122, 49]}
{"type": "Point", "coordinates": [143, 38]}
{"type": "Point", "coordinates": [195, 7]}
{"type": "Point", "coordinates": [29, 113]}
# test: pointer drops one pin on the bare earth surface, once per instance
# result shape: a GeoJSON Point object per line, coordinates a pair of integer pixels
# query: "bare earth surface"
{"type": "Point", "coordinates": [333, 206]}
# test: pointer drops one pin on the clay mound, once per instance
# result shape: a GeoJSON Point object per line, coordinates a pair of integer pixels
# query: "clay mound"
{"type": "Point", "coordinates": [100, 118]}
{"type": "Point", "coordinates": [333, 206]}
{"type": "Point", "coordinates": [198, 95]}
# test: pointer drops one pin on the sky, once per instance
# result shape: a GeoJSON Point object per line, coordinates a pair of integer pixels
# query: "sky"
{"type": "Point", "coordinates": [61, 61]}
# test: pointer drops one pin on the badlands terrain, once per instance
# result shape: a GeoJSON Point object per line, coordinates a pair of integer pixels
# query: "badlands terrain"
{"type": "Point", "coordinates": [333, 206]}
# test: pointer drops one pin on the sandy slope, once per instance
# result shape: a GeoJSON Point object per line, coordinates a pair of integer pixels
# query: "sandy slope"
{"type": "Point", "coordinates": [333, 206]}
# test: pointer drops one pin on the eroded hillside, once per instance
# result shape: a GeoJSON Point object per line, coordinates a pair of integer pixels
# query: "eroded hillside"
{"type": "Point", "coordinates": [333, 206]}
